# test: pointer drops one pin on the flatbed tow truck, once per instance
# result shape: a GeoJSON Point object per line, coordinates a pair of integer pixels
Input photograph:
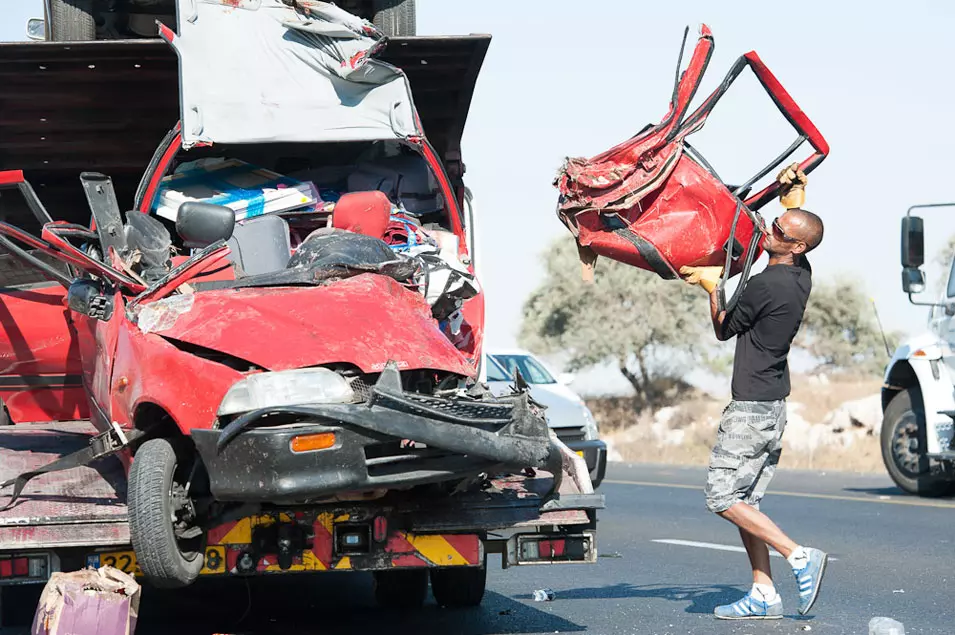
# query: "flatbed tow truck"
{"type": "Point", "coordinates": [78, 106]}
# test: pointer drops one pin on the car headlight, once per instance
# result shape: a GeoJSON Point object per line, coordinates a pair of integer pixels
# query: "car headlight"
{"type": "Point", "coordinates": [286, 388]}
{"type": "Point", "coordinates": [591, 432]}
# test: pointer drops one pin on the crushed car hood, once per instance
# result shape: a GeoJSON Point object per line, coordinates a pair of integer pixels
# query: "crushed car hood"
{"type": "Point", "coordinates": [366, 321]}
{"type": "Point", "coordinates": [301, 76]}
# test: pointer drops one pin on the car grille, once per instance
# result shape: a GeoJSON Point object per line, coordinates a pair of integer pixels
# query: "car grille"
{"type": "Point", "coordinates": [381, 459]}
{"type": "Point", "coordinates": [570, 434]}
{"type": "Point", "coordinates": [454, 410]}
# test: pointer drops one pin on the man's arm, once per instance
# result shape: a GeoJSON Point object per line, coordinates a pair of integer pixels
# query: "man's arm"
{"type": "Point", "coordinates": [752, 303]}
{"type": "Point", "coordinates": [717, 316]}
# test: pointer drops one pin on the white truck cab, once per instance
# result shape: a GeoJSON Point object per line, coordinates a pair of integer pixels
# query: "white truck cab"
{"type": "Point", "coordinates": [918, 394]}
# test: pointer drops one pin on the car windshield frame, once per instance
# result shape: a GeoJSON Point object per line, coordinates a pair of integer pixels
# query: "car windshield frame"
{"type": "Point", "coordinates": [496, 372]}
{"type": "Point", "coordinates": [531, 368]}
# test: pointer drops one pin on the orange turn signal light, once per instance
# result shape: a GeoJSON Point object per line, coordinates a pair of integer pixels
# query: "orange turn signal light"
{"type": "Point", "coordinates": [312, 442]}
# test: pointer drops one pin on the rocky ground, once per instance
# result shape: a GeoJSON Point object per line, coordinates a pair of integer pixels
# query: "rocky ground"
{"type": "Point", "coordinates": [833, 424]}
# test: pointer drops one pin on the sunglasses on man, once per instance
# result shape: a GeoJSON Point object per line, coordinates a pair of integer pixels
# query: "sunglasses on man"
{"type": "Point", "coordinates": [782, 235]}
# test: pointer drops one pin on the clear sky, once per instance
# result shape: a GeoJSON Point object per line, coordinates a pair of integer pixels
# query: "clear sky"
{"type": "Point", "coordinates": [570, 78]}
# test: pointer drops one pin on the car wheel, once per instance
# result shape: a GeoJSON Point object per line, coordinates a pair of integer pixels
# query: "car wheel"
{"type": "Point", "coordinates": [395, 18]}
{"type": "Point", "coordinates": [401, 589]}
{"type": "Point", "coordinates": [459, 587]}
{"type": "Point", "coordinates": [71, 21]}
{"type": "Point", "coordinates": [158, 506]}
{"type": "Point", "coordinates": [903, 444]}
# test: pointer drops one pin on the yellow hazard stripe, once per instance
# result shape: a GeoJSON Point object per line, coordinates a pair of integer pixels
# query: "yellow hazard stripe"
{"type": "Point", "coordinates": [438, 550]}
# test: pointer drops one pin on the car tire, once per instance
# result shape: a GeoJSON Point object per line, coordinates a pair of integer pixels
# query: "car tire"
{"type": "Point", "coordinates": [395, 18]}
{"type": "Point", "coordinates": [903, 441]}
{"type": "Point", "coordinates": [71, 21]}
{"type": "Point", "coordinates": [165, 563]}
{"type": "Point", "coordinates": [459, 587]}
{"type": "Point", "coordinates": [401, 588]}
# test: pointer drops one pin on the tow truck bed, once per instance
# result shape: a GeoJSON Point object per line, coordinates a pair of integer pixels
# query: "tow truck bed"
{"type": "Point", "coordinates": [77, 514]}
{"type": "Point", "coordinates": [81, 507]}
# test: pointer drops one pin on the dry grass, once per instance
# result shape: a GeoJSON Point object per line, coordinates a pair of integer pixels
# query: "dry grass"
{"type": "Point", "coordinates": [631, 431]}
{"type": "Point", "coordinates": [819, 399]}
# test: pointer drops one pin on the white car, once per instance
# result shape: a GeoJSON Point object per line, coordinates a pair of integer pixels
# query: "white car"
{"type": "Point", "coordinates": [566, 412]}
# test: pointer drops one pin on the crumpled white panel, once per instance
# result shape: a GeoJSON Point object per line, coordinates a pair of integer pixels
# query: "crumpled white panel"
{"type": "Point", "coordinates": [273, 74]}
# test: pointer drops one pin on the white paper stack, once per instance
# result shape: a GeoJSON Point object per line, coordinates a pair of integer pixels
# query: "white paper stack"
{"type": "Point", "coordinates": [248, 190]}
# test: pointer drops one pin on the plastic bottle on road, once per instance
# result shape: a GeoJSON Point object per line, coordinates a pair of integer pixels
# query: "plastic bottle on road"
{"type": "Point", "coordinates": [885, 626]}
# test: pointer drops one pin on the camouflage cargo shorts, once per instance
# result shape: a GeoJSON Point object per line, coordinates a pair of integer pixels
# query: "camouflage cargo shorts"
{"type": "Point", "coordinates": [747, 450]}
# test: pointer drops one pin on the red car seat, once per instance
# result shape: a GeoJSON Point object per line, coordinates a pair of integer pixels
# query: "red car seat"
{"type": "Point", "coordinates": [365, 213]}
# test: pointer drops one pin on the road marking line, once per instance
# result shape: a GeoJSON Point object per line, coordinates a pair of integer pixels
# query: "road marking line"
{"type": "Point", "coordinates": [858, 499]}
{"type": "Point", "coordinates": [717, 547]}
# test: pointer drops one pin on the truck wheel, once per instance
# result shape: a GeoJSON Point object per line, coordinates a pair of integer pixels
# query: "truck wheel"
{"type": "Point", "coordinates": [401, 589]}
{"type": "Point", "coordinates": [395, 18]}
{"type": "Point", "coordinates": [155, 478]}
{"type": "Point", "coordinates": [459, 587]}
{"type": "Point", "coordinates": [71, 21]}
{"type": "Point", "coordinates": [904, 445]}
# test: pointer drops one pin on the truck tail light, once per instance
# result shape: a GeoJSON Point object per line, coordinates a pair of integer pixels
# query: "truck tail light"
{"type": "Point", "coordinates": [551, 548]}
{"type": "Point", "coordinates": [26, 567]}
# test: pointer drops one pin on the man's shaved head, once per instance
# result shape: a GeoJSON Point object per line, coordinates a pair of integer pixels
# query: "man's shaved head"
{"type": "Point", "coordinates": [806, 226]}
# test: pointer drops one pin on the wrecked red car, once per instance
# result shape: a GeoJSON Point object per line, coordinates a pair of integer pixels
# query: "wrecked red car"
{"type": "Point", "coordinates": [655, 203]}
{"type": "Point", "coordinates": [276, 343]}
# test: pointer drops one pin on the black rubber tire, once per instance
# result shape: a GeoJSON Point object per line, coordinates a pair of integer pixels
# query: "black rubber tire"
{"type": "Point", "coordinates": [401, 589]}
{"type": "Point", "coordinates": [71, 21]}
{"type": "Point", "coordinates": [395, 18]}
{"type": "Point", "coordinates": [905, 409]}
{"type": "Point", "coordinates": [150, 518]}
{"type": "Point", "coordinates": [459, 587]}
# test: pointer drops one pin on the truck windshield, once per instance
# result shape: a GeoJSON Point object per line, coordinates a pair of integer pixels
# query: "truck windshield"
{"type": "Point", "coordinates": [532, 370]}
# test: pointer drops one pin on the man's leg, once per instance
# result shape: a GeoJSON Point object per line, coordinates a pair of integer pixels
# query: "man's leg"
{"type": "Point", "coordinates": [758, 554]}
{"type": "Point", "coordinates": [751, 443]}
{"type": "Point", "coordinates": [754, 522]}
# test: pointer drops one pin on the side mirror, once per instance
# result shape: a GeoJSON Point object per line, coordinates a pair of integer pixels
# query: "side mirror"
{"type": "Point", "coordinates": [86, 297]}
{"type": "Point", "coordinates": [566, 378]}
{"type": "Point", "coordinates": [36, 29]}
{"type": "Point", "coordinates": [201, 224]}
{"type": "Point", "coordinates": [913, 242]}
{"type": "Point", "coordinates": [913, 280]}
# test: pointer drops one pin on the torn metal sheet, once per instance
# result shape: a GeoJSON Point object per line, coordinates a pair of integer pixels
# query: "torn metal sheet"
{"type": "Point", "coordinates": [294, 76]}
{"type": "Point", "coordinates": [655, 203]}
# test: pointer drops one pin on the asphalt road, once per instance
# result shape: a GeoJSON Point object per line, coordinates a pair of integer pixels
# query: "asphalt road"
{"type": "Point", "coordinates": [893, 556]}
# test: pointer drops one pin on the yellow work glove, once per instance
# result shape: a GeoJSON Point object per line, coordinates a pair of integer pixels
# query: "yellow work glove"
{"type": "Point", "coordinates": [706, 277]}
{"type": "Point", "coordinates": [792, 194]}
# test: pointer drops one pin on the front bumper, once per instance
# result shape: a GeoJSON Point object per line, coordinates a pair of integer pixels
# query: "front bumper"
{"type": "Point", "coordinates": [595, 454]}
{"type": "Point", "coordinates": [250, 461]}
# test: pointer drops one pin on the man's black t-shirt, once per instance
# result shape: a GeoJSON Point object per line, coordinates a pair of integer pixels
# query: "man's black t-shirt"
{"type": "Point", "coordinates": [765, 321]}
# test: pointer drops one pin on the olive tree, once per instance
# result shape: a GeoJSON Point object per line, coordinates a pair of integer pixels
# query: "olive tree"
{"type": "Point", "coordinates": [649, 327]}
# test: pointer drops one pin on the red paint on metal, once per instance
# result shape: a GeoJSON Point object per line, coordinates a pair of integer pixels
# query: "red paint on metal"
{"type": "Point", "coordinates": [380, 528]}
{"type": "Point", "coordinates": [411, 560]}
{"type": "Point", "coordinates": [11, 177]}
{"type": "Point", "coordinates": [367, 321]}
{"type": "Point", "coordinates": [468, 545]}
{"type": "Point", "coordinates": [646, 203]}
{"type": "Point", "coordinates": [162, 166]}
{"type": "Point", "coordinates": [21, 566]}
{"type": "Point", "coordinates": [216, 534]}
{"type": "Point", "coordinates": [231, 560]}
{"type": "Point", "coordinates": [322, 545]}
{"type": "Point", "coordinates": [192, 270]}
{"type": "Point", "coordinates": [398, 543]}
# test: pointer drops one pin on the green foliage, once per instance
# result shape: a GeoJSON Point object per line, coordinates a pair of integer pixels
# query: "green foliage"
{"type": "Point", "coordinates": [840, 328]}
{"type": "Point", "coordinates": [649, 327]}
{"type": "Point", "coordinates": [655, 329]}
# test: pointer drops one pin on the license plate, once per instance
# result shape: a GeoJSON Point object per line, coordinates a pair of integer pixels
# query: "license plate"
{"type": "Point", "coordinates": [125, 561]}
